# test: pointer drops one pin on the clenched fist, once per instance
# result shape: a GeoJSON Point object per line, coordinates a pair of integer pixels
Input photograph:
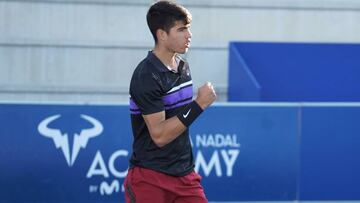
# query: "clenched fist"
{"type": "Point", "coordinates": [206, 95]}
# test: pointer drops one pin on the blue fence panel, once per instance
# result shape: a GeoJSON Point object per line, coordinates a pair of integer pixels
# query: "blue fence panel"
{"type": "Point", "coordinates": [243, 85]}
{"type": "Point", "coordinates": [79, 153]}
{"type": "Point", "coordinates": [46, 155]}
{"type": "Point", "coordinates": [259, 157]}
{"type": "Point", "coordinates": [330, 153]}
{"type": "Point", "coordinates": [312, 72]}
{"type": "Point", "coordinates": [45, 166]}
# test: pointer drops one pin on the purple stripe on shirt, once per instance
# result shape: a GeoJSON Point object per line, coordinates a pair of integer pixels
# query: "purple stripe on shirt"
{"type": "Point", "coordinates": [177, 96]}
{"type": "Point", "coordinates": [133, 105]}
{"type": "Point", "coordinates": [135, 112]}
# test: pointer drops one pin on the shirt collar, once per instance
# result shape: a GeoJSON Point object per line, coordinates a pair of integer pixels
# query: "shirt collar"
{"type": "Point", "coordinates": [159, 65]}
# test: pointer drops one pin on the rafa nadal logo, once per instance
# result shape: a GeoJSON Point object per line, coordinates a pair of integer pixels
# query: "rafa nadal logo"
{"type": "Point", "coordinates": [61, 140]}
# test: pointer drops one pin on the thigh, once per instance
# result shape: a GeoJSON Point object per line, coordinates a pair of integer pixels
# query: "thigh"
{"type": "Point", "coordinates": [190, 190]}
{"type": "Point", "coordinates": [140, 190]}
{"type": "Point", "coordinates": [144, 193]}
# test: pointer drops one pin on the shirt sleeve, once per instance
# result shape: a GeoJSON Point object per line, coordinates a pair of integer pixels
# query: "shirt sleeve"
{"type": "Point", "coordinates": [147, 95]}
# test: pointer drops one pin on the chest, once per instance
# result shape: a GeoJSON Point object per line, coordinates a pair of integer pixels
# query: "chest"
{"type": "Point", "coordinates": [177, 90]}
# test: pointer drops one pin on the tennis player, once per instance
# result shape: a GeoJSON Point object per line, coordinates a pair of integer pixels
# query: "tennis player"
{"type": "Point", "coordinates": [162, 109]}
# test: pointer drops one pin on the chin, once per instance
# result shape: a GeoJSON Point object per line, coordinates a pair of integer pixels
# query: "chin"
{"type": "Point", "coordinates": [183, 51]}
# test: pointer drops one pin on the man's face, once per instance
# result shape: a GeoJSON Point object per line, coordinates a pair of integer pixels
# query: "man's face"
{"type": "Point", "coordinates": [179, 37]}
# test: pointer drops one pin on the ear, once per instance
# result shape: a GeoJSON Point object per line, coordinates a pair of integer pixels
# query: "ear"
{"type": "Point", "coordinates": [161, 35]}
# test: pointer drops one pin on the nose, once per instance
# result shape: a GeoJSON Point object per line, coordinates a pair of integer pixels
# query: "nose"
{"type": "Point", "coordinates": [189, 34]}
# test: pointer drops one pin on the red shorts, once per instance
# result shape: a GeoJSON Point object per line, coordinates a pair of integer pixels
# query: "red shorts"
{"type": "Point", "coordinates": [148, 186]}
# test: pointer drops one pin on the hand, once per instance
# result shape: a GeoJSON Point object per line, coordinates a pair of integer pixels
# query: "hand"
{"type": "Point", "coordinates": [206, 95]}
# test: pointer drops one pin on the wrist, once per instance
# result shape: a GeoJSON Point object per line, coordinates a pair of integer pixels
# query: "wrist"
{"type": "Point", "coordinates": [201, 104]}
{"type": "Point", "coordinates": [189, 114]}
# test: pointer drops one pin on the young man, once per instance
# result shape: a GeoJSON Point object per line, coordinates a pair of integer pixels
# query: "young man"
{"type": "Point", "coordinates": [162, 109]}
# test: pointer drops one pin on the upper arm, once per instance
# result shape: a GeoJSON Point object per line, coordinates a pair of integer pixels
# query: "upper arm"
{"type": "Point", "coordinates": [153, 122]}
{"type": "Point", "coordinates": [146, 94]}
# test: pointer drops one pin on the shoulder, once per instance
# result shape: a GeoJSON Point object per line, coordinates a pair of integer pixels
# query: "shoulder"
{"type": "Point", "coordinates": [145, 77]}
{"type": "Point", "coordinates": [144, 71]}
{"type": "Point", "coordinates": [145, 67]}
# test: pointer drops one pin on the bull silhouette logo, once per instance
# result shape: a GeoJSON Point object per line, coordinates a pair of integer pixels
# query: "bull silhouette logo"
{"type": "Point", "coordinates": [61, 140]}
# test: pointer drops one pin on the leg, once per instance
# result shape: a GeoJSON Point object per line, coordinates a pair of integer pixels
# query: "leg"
{"type": "Point", "coordinates": [144, 193]}
{"type": "Point", "coordinates": [190, 190]}
{"type": "Point", "coordinates": [141, 188]}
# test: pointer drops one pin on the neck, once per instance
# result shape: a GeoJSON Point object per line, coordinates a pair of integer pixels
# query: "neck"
{"type": "Point", "coordinates": [165, 56]}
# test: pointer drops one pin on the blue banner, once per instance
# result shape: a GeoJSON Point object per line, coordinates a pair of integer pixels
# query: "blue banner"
{"type": "Point", "coordinates": [294, 72]}
{"type": "Point", "coordinates": [63, 152]}
{"type": "Point", "coordinates": [247, 153]}
{"type": "Point", "coordinates": [330, 153]}
{"type": "Point", "coordinates": [80, 153]}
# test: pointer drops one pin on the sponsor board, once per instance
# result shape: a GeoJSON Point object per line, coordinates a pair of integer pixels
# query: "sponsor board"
{"type": "Point", "coordinates": [81, 152]}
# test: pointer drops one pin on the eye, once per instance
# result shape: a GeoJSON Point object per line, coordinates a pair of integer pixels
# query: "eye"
{"type": "Point", "coordinates": [184, 29]}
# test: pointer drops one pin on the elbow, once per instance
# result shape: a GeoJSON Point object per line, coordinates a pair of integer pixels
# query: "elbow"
{"type": "Point", "coordinates": [160, 142]}
{"type": "Point", "coordinates": [158, 139]}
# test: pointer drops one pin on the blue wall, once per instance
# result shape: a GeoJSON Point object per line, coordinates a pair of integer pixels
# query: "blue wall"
{"type": "Point", "coordinates": [294, 72]}
{"type": "Point", "coordinates": [330, 153]}
{"type": "Point", "coordinates": [253, 152]}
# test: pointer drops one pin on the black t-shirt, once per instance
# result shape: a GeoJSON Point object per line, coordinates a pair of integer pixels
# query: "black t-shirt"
{"type": "Point", "coordinates": [154, 88]}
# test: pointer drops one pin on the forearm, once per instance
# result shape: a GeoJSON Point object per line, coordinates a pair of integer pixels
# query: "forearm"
{"type": "Point", "coordinates": [167, 131]}
{"type": "Point", "coordinates": [163, 131]}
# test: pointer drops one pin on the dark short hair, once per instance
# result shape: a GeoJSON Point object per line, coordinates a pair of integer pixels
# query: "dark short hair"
{"type": "Point", "coordinates": [164, 14]}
